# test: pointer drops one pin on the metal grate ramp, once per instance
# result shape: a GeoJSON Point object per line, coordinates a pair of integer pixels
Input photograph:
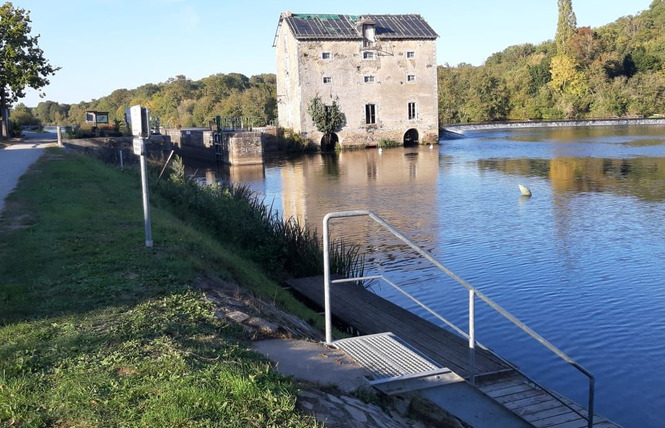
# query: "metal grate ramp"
{"type": "Point", "coordinates": [395, 366]}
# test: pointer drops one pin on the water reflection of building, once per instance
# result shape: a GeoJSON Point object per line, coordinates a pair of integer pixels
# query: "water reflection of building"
{"type": "Point", "coordinates": [402, 181]}
{"type": "Point", "coordinates": [293, 192]}
{"type": "Point", "coordinates": [244, 174]}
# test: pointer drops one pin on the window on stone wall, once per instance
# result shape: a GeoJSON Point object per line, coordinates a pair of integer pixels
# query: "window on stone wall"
{"type": "Point", "coordinates": [370, 114]}
{"type": "Point", "coordinates": [410, 77]}
{"type": "Point", "coordinates": [369, 55]}
{"type": "Point", "coordinates": [326, 55]}
{"type": "Point", "coordinates": [410, 54]}
{"type": "Point", "coordinates": [369, 34]}
{"type": "Point", "coordinates": [368, 79]}
{"type": "Point", "coordinates": [412, 113]}
{"type": "Point", "coordinates": [327, 80]}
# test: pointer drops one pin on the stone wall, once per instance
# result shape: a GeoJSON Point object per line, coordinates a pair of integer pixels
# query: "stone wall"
{"type": "Point", "coordinates": [269, 138]}
{"type": "Point", "coordinates": [301, 69]}
{"type": "Point", "coordinates": [192, 137]}
{"type": "Point", "coordinates": [242, 148]}
{"type": "Point", "coordinates": [238, 147]}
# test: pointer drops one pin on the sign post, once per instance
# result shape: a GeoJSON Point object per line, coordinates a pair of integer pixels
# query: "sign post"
{"type": "Point", "coordinates": [58, 131]}
{"type": "Point", "coordinates": [140, 122]}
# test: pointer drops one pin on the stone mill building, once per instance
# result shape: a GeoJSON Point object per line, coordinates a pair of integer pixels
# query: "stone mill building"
{"type": "Point", "coordinates": [381, 70]}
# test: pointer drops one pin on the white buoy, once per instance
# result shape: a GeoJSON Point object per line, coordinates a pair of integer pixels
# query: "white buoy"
{"type": "Point", "coordinates": [431, 146]}
{"type": "Point", "coordinates": [380, 150]}
{"type": "Point", "coordinates": [524, 190]}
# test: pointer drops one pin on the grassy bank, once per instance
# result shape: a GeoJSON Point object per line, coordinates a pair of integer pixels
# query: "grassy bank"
{"type": "Point", "coordinates": [98, 330]}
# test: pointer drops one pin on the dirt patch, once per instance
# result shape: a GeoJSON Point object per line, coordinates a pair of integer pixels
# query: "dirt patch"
{"type": "Point", "coordinates": [259, 318]}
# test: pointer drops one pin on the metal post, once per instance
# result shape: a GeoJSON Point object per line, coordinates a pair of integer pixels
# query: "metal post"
{"type": "Point", "coordinates": [590, 416]}
{"type": "Point", "coordinates": [146, 204]}
{"type": "Point", "coordinates": [472, 337]}
{"type": "Point", "coordinates": [326, 280]}
{"type": "Point", "coordinates": [122, 163]}
{"type": "Point", "coordinates": [58, 131]}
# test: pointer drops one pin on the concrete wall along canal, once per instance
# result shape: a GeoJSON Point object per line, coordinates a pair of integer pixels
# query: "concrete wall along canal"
{"type": "Point", "coordinates": [242, 148]}
{"type": "Point", "coordinates": [237, 147]}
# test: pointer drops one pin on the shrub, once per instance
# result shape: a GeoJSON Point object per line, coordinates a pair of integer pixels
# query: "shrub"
{"type": "Point", "coordinates": [388, 143]}
{"type": "Point", "coordinates": [289, 141]}
{"type": "Point", "coordinates": [235, 215]}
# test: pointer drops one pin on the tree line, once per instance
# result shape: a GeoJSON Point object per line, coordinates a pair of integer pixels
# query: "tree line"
{"type": "Point", "coordinates": [178, 102]}
{"type": "Point", "coordinates": [616, 70]}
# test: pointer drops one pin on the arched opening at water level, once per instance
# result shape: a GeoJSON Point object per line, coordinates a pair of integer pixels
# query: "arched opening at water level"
{"type": "Point", "coordinates": [328, 142]}
{"type": "Point", "coordinates": [411, 137]}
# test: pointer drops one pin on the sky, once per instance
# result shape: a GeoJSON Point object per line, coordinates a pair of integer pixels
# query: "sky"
{"type": "Point", "coordinates": [106, 45]}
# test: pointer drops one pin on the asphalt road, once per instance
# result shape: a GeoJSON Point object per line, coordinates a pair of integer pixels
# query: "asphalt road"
{"type": "Point", "coordinates": [17, 158]}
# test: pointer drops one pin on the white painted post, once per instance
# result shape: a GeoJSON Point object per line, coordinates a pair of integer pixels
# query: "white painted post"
{"type": "Point", "coordinates": [472, 337]}
{"type": "Point", "coordinates": [326, 280]}
{"type": "Point", "coordinates": [122, 164]}
{"type": "Point", "coordinates": [146, 204]}
{"type": "Point", "coordinates": [58, 131]}
{"type": "Point", "coordinates": [140, 121]}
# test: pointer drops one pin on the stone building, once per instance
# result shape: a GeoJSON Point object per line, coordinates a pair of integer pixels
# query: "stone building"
{"type": "Point", "coordinates": [381, 70]}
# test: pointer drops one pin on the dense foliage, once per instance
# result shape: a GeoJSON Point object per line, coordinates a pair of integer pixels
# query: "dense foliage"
{"type": "Point", "coordinates": [327, 118]}
{"type": "Point", "coordinates": [177, 102]}
{"type": "Point", "coordinates": [22, 62]}
{"type": "Point", "coordinates": [612, 71]}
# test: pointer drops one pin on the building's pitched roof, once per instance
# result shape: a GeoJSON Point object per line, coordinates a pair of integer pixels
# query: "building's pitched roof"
{"type": "Point", "coordinates": [344, 27]}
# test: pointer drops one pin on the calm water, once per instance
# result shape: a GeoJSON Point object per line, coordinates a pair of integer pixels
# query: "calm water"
{"type": "Point", "coordinates": [581, 262]}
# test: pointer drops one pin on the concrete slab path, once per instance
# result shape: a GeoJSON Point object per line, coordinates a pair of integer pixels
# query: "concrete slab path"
{"type": "Point", "coordinates": [17, 158]}
{"type": "Point", "coordinates": [314, 362]}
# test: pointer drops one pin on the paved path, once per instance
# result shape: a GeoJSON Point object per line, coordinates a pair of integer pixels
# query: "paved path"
{"type": "Point", "coordinates": [17, 158]}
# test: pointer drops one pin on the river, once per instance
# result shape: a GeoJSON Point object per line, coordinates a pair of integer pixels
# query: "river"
{"type": "Point", "coordinates": [581, 261]}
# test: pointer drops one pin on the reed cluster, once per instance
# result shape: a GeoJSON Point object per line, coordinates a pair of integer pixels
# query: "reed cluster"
{"type": "Point", "coordinates": [237, 216]}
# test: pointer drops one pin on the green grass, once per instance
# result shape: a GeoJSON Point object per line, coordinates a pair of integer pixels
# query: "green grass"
{"type": "Point", "coordinates": [98, 330]}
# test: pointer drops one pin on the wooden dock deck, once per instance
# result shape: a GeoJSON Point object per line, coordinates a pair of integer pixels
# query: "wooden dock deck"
{"type": "Point", "coordinates": [371, 314]}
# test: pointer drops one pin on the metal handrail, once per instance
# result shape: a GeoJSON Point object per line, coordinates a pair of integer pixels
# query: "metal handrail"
{"type": "Point", "coordinates": [473, 292]}
{"type": "Point", "coordinates": [458, 330]}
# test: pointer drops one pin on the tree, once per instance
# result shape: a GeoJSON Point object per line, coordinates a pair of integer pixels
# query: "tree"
{"type": "Point", "coordinates": [22, 116]}
{"type": "Point", "coordinates": [566, 26]}
{"type": "Point", "coordinates": [327, 119]}
{"type": "Point", "coordinates": [585, 46]}
{"type": "Point", "coordinates": [566, 79]}
{"type": "Point", "coordinates": [488, 98]}
{"type": "Point", "coordinates": [22, 62]}
{"type": "Point", "coordinates": [50, 112]}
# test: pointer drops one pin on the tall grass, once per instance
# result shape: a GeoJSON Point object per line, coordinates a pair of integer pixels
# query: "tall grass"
{"type": "Point", "coordinates": [235, 215]}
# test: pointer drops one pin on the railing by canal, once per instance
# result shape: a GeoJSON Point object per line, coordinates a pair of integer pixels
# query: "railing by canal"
{"type": "Point", "coordinates": [473, 293]}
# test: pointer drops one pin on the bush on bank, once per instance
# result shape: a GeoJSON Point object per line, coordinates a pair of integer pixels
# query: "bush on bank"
{"type": "Point", "coordinates": [235, 215]}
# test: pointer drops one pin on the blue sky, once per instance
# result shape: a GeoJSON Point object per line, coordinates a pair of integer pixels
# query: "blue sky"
{"type": "Point", "coordinates": [112, 44]}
